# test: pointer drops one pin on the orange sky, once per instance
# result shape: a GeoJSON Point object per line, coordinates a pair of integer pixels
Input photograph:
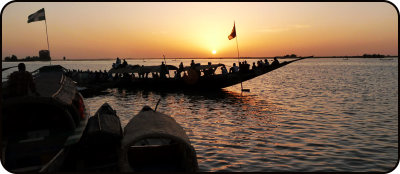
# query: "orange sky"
{"type": "Point", "coordinates": [194, 29]}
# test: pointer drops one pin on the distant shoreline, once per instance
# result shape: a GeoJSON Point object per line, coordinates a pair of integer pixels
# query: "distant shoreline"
{"type": "Point", "coordinates": [107, 59]}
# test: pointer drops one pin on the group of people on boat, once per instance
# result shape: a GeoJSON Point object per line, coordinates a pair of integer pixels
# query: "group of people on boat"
{"type": "Point", "coordinates": [94, 76]}
{"type": "Point", "coordinates": [118, 64]}
{"type": "Point", "coordinates": [163, 72]}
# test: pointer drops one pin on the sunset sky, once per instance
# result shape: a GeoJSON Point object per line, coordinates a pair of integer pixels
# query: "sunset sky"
{"type": "Point", "coordinates": [81, 30]}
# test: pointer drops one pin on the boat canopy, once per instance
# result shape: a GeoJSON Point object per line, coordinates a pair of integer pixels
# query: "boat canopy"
{"type": "Point", "coordinates": [138, 68]}
{"type": "Point", "coordinates": [202, 67]}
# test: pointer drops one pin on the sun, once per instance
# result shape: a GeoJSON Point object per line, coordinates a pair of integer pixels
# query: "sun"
{"type": "Point", "coordinates": [214, 52]}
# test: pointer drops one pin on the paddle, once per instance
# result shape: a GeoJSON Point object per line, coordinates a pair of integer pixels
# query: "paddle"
{"type": "Point", "coordinates": [155, 109]}
{"type": "Point", "coordinates": [8, 68]}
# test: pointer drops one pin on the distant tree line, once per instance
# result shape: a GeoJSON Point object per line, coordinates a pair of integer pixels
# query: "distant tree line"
{"type": "Point", "coordinates": [373, 56]}
{"type": "Point", "coordinates": [44, 55]}
{"type": "Point", "coordinates": [287, 56]}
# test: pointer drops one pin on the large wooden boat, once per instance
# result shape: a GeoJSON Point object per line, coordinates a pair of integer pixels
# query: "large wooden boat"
{"type": "Point", "coordinates": [190, 82]}
{"type": "Point", "coordinates": [37, 130]}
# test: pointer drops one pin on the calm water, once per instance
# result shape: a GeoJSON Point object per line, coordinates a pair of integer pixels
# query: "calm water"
{"type": "Point", "coordinates": [312, 115]}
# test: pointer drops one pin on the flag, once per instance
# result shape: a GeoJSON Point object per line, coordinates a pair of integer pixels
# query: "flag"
{"type": "Point", "coordinates": [38, 16]}
{"type": "Point", "coordinates": [233, 33]}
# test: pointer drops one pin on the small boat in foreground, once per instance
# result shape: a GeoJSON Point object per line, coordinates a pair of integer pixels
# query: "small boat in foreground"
{"type": "Point", "coordinates": [151, 141]}
{"type": "Point", "coordinates": [99, 147]}
{"type": "Point", "coordinates": [156, 142]}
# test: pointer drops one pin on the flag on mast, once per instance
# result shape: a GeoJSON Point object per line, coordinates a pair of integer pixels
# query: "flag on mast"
{"type": "Point", "coordinates": [233, 33]}
{"type": "Point", "coordinates": [37, 16]}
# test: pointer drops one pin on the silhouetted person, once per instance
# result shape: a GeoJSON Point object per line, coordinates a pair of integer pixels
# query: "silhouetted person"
{"type": "Point", "coordinates": [181, 66]}
{"type": "Point", "coordinates": [141, 72]}
{"type": "Point", "coordinates": [124, 64]}
{"type": "Point", "coordinates": [234, 68]}
{"type": "Point", "coordinates": [163, 70]}
{"type": "Point", "coordinates": [224, 70]}
{"type": "Point", "coordinates": [209, 71]}
{"type": "Point", "coordinates": [177, 75]}
{"type": "Point", "coordinates": [245, 67]}
{"type": "Point", "coordinates": [117, 63]}
{"type": "Point", "coordinates": [193, 71]}
{"type": "Point", "coordinates": [275, 62]}
{"type": "Point", "coordinates": [266, 63]}
{"type": "Point", "coordinates": [192, 64]}
{"type": "Point", "coordinates": [20, 82]}
{"type": "Point", "coordinates": [254, 66]}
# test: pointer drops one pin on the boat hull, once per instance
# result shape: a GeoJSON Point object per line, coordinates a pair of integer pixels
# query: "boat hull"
{"type": "Point", "coordinates": [204, 83]}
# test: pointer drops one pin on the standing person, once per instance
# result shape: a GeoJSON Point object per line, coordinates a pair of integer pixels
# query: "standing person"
{"type": "Point", "coordinates": [20, 82]}
{"type": "Point", "coordinates": [192, 64]}
{"type": "Point", "coordinates": [163, 70]}
{"type": "Point", "coordinates": [141, 72]}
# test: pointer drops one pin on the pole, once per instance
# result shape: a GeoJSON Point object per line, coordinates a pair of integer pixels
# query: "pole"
{"type": "Point", "coordinates": [48, 46]}
{"type": "Point", "coordinates": [166, 65]}
{"type": "Point", "coordinates": [237, 48]}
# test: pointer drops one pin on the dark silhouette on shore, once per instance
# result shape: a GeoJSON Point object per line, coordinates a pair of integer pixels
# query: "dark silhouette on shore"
{"type": "Point", "coordinates": [44, 55]}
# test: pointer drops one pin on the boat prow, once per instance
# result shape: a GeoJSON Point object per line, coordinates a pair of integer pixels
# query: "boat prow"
{"type": "Point", "coordinates": [156, 142]}
{"type": "Point", "coordinates": [100, 144]}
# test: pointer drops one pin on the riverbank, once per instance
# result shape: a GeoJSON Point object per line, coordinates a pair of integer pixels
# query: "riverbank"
{"type": "Point", "coordinates": [107, 59]}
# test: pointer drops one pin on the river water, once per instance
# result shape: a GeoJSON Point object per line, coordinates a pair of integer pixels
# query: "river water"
{"type": "Point", "coordinates": [312, 115]}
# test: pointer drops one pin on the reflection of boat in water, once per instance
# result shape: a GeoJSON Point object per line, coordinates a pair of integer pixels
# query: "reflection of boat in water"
{"type": "Point", "coordinates": [386, 59]}
{"type": "Point", "coordinates": [196, 82]}
{"type": "Point", "coordinates": [37, 131]}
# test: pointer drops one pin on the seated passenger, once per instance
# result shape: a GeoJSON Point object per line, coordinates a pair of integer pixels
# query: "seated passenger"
{"type": "Point", "coordinates": [124, 64]}
{"type": "Point", "coordinates": [254, 66]}
{"type": "Point", "coordinates": [224, 70]}
{"type": "Point", "coordinates": [266, 63]}
{"type": "Point", "coordinates": [117, 63]}
{"type": "Point", "coordinates": [21, 82]}
{"type": "Point", "coordinates": [275, 62]}
{"type": "Point", "coordinates": [234, 68]}
{"type": "Point", "coordinates": [181, 68]}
